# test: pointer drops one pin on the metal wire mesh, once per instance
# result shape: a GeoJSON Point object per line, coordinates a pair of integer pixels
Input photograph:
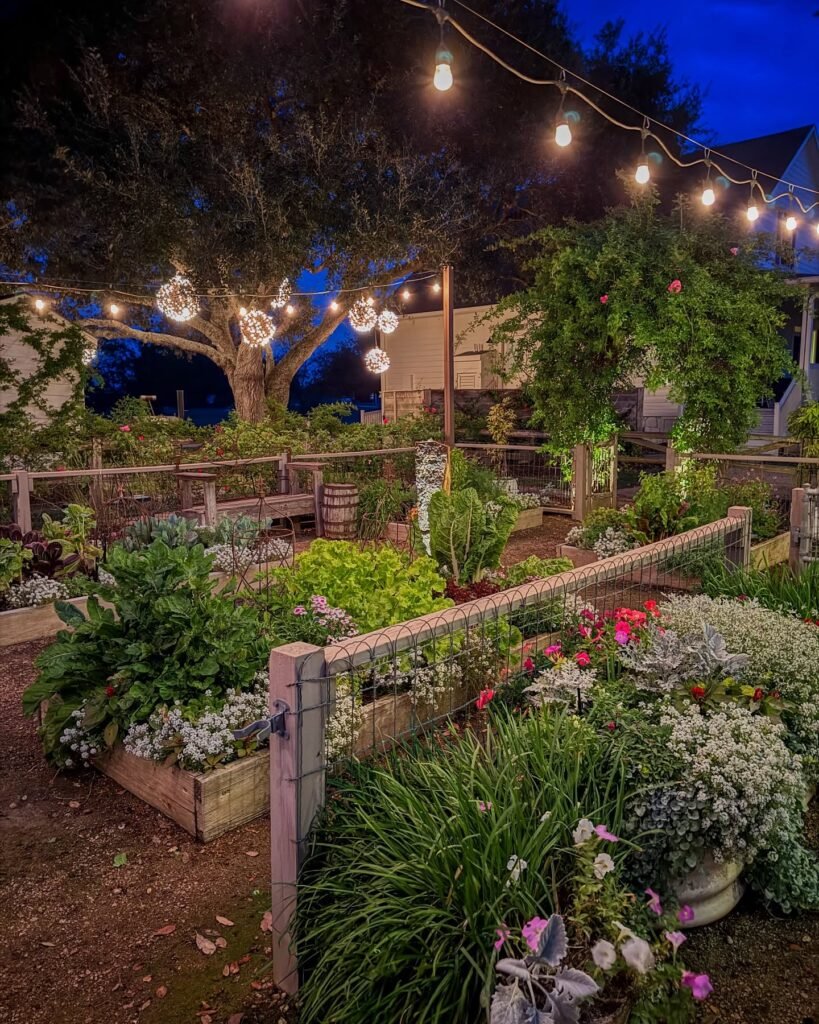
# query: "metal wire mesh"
{"type": "Point", "coordinates": [376, 689]}
{"type": "Point", "coordinates": [809, 533]}
{"type": "Point", "coordinates": [526, 469]}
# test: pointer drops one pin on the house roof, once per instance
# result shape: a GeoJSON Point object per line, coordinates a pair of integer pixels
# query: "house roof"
{"type": "Point", "coordinates": [771, 155]}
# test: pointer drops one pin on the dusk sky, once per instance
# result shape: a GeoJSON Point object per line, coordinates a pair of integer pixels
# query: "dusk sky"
{"type": "Point", "coordinates": [758, 60]}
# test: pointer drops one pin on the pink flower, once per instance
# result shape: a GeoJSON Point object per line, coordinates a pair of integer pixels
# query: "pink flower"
{"type": "Point", "coordinates": [528, 664]}
{"type": "Point", "coordinates": [675, 287]}
{"type": "Point", "coordinates": [675, 938]}
{"type": "Point", "coordinates": [604, 833]}
{"type": "Point", "coordinates": [734, 250]}
{"type": "Point", "coordinates": [604, 299]}
{"type": "Point", "coordinates": [685, 915]}
{"type": "Point", "coordinates": [299, 610]}
{"type": "Point", "coordinates": [700, 984]}
{"type": "Point", "coordinates": [621, 637]}
{"type": "Point", "coordinates": [125, 429]}
{"type": "Point", "coordinates": [484, 806]}
{"type": "Point", "coordinates": [582, 659]}
{"type": "Point", "coordinates": [587, 614]}
{"type": "Point", "coordinates": [654, 904]}
{"type": "Point", "coordinates": [484, 697]}
{"type": "Point", "coordinates": [532, 930]}
{"type": "Point", "coordinates": [553, 649]}
{"type": "Point", "coordinates": [502, 935]}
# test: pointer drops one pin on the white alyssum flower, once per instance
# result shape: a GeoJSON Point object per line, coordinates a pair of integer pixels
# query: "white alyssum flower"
{"type": "Point", "coordinates": [515, 866]}
{"type": "Point", "coordinates": [604, 954]}
{"type": "Point", "coordinates": [613, 542]}
{"type": "Point", "coordinates": [584, 832]}
{"type": "Point", "coordinates": [35, 591]}
{"type": "Point", "coordinates": [344, 722]}
{"type": "Point", "coordinates": [603, 864]}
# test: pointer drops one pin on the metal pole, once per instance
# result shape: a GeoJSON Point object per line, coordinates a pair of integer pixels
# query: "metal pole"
{"type": "Point", "coordinates": [180, 404]}
{"type": "Point", "coordinates": [449, 355]}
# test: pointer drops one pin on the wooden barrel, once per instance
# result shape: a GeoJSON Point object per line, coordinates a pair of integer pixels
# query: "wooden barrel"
{"type": "Point", "coordinates": [339, 509]}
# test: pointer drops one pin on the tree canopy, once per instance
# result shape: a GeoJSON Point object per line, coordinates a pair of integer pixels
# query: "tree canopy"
{"type": "Point", "coordinates": [641, 296]}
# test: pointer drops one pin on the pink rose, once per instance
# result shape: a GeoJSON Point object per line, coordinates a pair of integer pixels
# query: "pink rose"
{"type": "Point", "coordinates": [675, 287]}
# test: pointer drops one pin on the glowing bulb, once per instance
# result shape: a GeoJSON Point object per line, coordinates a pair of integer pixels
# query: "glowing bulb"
{"type": "Point", "coordinates": [290, 309]}
{"type": "Point", "coordinates": [442, 79]}
{"type": "Point", "coordinates": [817, 229]}
{"type": "Point", "coordinates": [436, 287]}
{"type": "Point", "coordinates": [406, 294]}
{"type": "Point", "coordinates": [790, 223]}
{"type": "Point", "coordinates": [114, 309]}
{"type": "Point", "coordinates": [39, 305]}
{"type": "Point", "coordinates": [242, 311]}
{"type": "Point", "coordinates": [708, 196]}
{"type": "Point", "coordinates": [643, 174]}
{"type": "Point", "coordinates": [752, 213]}
{"type": "Point", "coordinates": [334, 306]}
{"type": "Point", "coordinates": [563, 133]}
{"type": "Point", "coordinates": [370, 301]}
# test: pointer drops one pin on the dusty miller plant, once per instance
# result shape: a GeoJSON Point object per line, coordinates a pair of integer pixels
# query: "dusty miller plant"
{"type": "Point", "coordinates": [669, 659]}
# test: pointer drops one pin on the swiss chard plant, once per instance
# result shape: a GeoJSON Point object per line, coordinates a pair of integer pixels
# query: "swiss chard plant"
{"type": "Point", "coordinates": [467, 537]}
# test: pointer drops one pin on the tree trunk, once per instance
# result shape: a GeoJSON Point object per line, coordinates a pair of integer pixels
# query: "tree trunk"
{"type": "Point", "coordinates": [247, 384]}
{"type": "Point", "coordinates": [278, 386]}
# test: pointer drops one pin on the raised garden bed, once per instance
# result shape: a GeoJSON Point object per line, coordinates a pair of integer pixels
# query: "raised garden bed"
{"type": "Point", "coordinates": [528, 519]}
{"type": "Point", "coordinates": [771, 552]}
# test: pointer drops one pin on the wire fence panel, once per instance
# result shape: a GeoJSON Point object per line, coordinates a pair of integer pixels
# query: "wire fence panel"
{"type": "Point", "coordinates": [809, 531]}
{"type": "Point", "coordinates": [526, 469]}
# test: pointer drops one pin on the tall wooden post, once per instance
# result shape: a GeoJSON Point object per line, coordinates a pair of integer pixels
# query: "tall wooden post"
{"type": "Point", "coordinates": [21, 499]}
{"type": "Point", "coordinates": [180, 404]}
{"type": "Point", "coordinates": [798, 503]}
{"type": "Point", "coordinates": [449, 355]}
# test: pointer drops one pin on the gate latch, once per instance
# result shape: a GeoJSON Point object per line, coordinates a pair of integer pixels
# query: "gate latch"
{"type": "Point", "coordinates": [275, 725]}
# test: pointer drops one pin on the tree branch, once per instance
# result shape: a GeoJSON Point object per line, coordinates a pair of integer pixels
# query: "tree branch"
{"type": "Point", "coordinates": [116, 329]}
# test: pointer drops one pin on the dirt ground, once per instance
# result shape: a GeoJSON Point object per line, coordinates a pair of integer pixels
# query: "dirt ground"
{"type": "Point", "coordinates": [86, 942]}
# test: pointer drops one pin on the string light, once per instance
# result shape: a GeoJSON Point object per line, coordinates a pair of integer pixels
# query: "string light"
{"type": "Point", "coordinates": [790, 222]}
{"type": "Point", "coordinates": [290, 309]}
{"type": "Point", "coordinates": [387, 321]}
{"type": "Point", "coordinates": [643, 173]}
{"type": "Point", "coordinates": [563, 133]}
{"type": "Point", "coordinates": [406, 295]}
{"type": "Point", "coordinates": [752, 213]}
{"type": "Point", "coordinates": [39, 305]}
{"type": "Point", "coordinates": [436, 287]}
{"type": "Point", "coordinates": [817, 229]}
{"type": "Point", "coordinates": [177, 299]}
{"type": "Point", "coordinates": [113, 309]}
{"type": "Point", "coordinates": [377, 360]}
{"type": "Point", "coordinates": [442, 79]}
{"type": "Point", "coordinates": [256, 326]}
{"type": "Point", "coordinates": [282, 296]}
{"type": "Point", "coordinates": [362, 316]}
{"type": "Point", "coordinates": [370, 300]}
{"type": "Point", "coordinates": [334, 306]}
{"type": "Point", "coordinates": [708, 195]}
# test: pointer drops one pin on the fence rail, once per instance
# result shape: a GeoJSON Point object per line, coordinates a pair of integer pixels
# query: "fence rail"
{"type": "Point", "coordinates": [362, 694]}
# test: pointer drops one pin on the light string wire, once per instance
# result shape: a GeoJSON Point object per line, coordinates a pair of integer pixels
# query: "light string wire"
{"type": "Point", "coordinates": [707, 160]}
{"type": "Point", "coordinates": [108, 289]}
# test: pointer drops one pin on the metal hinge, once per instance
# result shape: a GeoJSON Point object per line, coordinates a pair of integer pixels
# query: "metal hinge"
{"type": "Point", "coordinates": [275, 725]}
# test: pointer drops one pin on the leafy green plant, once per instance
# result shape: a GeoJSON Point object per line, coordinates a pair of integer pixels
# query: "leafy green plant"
{"type": "Point", "coordinates": [777, 587]}
{"type": "Point", "coordinates": [803, 424]}
{"type": "Point", "coordinates": [377, 587]}
{"type": "Point", "coordinates": [413, 869]}
{"type": "Point", "coordinates": [168, 637]}
{"type": "Point", "coordinates": [534, 567]}
{"type": "Point", "coordinates": [381, 502]}
{"type": "Point", "coordinates": [174, 531]}
{"type": "Point", "coordinates": [73, 534]}
{"type": "Point", "coordinates": [12, 557]}
{"type": "Point", "coordinates": [466, 536]}
{"type": "Point", "coordinates": [465, 473]}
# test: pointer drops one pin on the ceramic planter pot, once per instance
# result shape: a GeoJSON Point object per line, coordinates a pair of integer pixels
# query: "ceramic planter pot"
{"type": "Point", "coordinates": [712, 890]}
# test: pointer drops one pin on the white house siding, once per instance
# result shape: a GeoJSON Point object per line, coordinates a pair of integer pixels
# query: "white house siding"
{"type": "Point", "coordinates": [24, 359]}
{"type": "Point", "coordinates": [416, 351]}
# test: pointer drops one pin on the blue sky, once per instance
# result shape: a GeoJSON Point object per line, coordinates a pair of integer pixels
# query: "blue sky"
{"type": "Point", "coordinates": [758, 60]}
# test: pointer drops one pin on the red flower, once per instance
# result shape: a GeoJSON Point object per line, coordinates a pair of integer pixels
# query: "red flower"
{"type": "Point", "coordinates": [775, 695]}
{"type": "Point", "coordinates": [484, 698]}
{"type": "Point", "coordinates": [611, 726]}
{"type": "Point", "coordinates": [758, 693]}
{"type": "Point", "coordinates": [125, 429]}
{"type": "Point", "coordinates": [742, 597]}
{"type": "Point", "coordinates": [385, 421]}
{"type": "Point", "coordinates": [529, 665]}
{"type": "Point", "coordinates": [675, 287]}
{"type": "Point", "coordinates": [582, 659]}
{"type": "Point", "coordinates": [220, 451]}
{"type": "Point", "coordinates": [141, 437]}
{"type": "Point", "coordinates": [60, 469]}
{"type": "Point", "coordinates": [604, 299]}
{"type": "Point", "coordinates": [697, 692]}
{"type": "Point", "coordinates": [109, 691]}
{"type": "Point", "coordinates": [651, 608]}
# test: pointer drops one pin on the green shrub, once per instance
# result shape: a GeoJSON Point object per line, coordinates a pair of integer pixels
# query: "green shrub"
{"type": "Point", "coordinates": [12, 556]}
{"type": "Point", "coordinates": [466, 536]}
{"type": "Point", "coordinates": [465, 472]}
{"type": "Point", "coordinates": [803, 424]}
{"type": "Point", "coordinates": [778, 587]}
{"type": "Point", "coordinates": [381, 502]}
{"type": "Point", "coordinates": [535, 568]}
{"type": "Point", "coordinates": [377, 587]}
{"type": "Point", "coordinates": [408, 879]}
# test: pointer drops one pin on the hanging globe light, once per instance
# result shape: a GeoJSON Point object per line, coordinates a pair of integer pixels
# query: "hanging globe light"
{"type": "Point", "coordinates": [282, 296]}
{"type": "Point", "coordinates": [256, 326]}
{"type": "Point", "coordinates": [377, 360]}
{"type": "Point", "coordinates": [177, 299]}
{"type": "Point", "coordinates": [362, 316]}
{"type": "Point", "coordinates": [387, 321]}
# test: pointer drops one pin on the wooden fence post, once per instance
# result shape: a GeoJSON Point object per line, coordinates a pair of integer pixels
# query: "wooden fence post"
{"type": "Point", "coordinates": [580, 485]}
{"type": "Point", "coordinates": [284, 477]}
{"type": "Point", "coordinates": [318, 496]}
{"type": "Point", "coordinates": [797, 514]}
{"type": "Point", "coordinates": [672, 459]}
{"type": "Point", "coordinates": [740, 555]}
{"type": "Point", "coordinates": [297, 676]}
{"type": "Point", "coordinates": [21, 499]}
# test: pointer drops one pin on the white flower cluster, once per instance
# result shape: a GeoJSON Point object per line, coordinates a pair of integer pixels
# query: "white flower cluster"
{"type": "Point", "coordinates": [612, 542]}
{"type": "Point", "coordinates": [576, 537]}
{"type": "Point", "coordinates": [35, 591]}
{"type": "Point", "coordinates": [525, 499]}
{"type": "Point", "coordinates": [562, 683]}
{"type": "Point", "coordinates": [240, 557]}
{"type": "Point", "coordinates": [783, 653]}
{"type": "Point", "coordinates": [204, 742]}
{"type": "Point", "coordinates": [739, 788]}
{"type": "Point", "coordinates": [106, 578]}
{"type": "Point", "coordinates": [80, 746]}
{"type": "Point", "coordinates": [428, 684]}
{"type": "Point", "coordinates": [345, 721]}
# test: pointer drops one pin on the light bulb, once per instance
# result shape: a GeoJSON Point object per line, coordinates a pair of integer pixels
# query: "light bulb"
{"type": "Point", "coordinates": [817, 229]}
{"type": "Point", "coordinates": [406, 294]}
{"type": "Point", "coordinates": [708, 196]}
{"type": "Point", "coordinates": [643, 174]}
{"type": "Point", "coordinates": [752, 212]}
{"type": "Point", "coordinates": [242, 311]}
{"type": "Point", "coordinates": [436, 287]}
{"type": "Point", "coordinates": [290, 309]}
{"type": "Point", "coordinates": [370, 301]}
{"type": "Point", "coordinates": [790, 223]}
{"type": "Point", "coordinates": [442, 79]}
{"type": "Point", "coordinates": [39, 305]}
{"type": "Point", "coordinates": [113, 309]}
{"type": "Point", "coordinates": [563, 133]}
{"type": "Point", "coordinates": [334, 306]}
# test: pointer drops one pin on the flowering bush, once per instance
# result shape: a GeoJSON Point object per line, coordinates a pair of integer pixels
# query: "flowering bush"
{"type": "Point", "coordinates": [316, 622]}
{"type": "Point", "coordinates": [37, 590]}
